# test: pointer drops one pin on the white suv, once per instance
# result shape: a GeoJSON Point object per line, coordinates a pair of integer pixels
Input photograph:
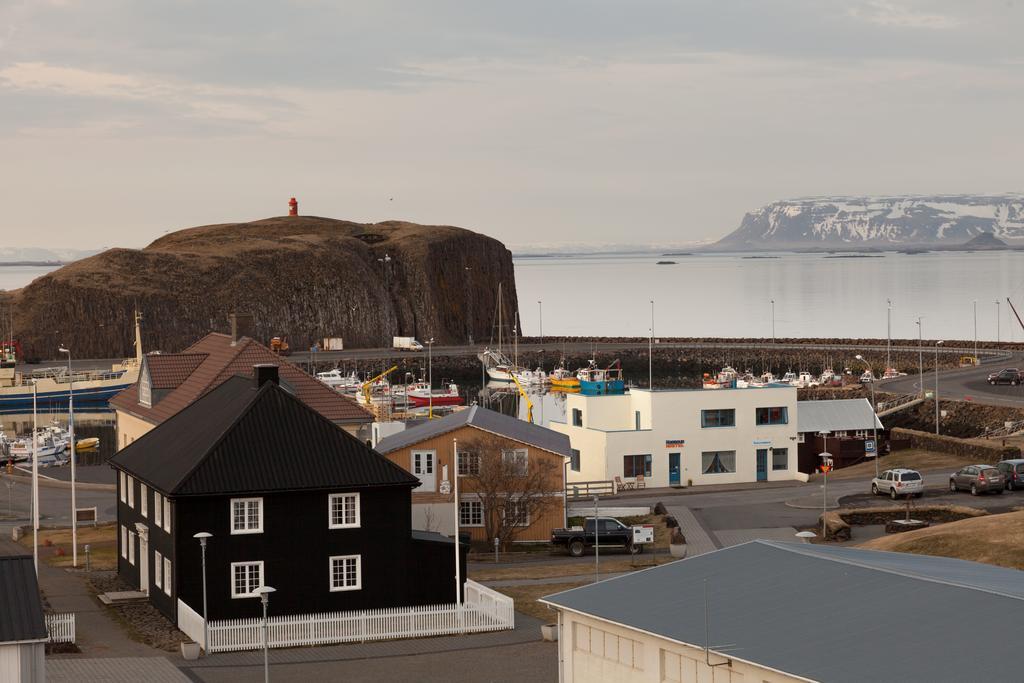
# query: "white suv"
{"type": "Point", "coordinates": [898, 483]}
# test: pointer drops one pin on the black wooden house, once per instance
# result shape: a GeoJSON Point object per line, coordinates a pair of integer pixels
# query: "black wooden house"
{"type": "Point", "coordinates": [292, 501]}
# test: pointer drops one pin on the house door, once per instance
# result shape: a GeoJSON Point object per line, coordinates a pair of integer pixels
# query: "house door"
{"type": "Point", "coordinates": [762, 464]}
{"type": "Point", "coordinates": [423, 467]}
{"type": "Point", "coordinates": [144, 564]}
{"type": "Point", "coordinates": [673, 469]}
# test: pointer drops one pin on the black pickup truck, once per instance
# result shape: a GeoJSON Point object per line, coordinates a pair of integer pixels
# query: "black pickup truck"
{"type": "Point", "coordinates": [611, 533]}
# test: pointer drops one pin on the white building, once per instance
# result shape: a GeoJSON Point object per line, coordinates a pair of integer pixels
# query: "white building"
{"type": "Point", "coordinates": [683, 437]}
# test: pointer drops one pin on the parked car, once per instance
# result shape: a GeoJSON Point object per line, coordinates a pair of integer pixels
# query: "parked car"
{"type": "Point", "coordinates": [978, 479]}
{"type": "Point", "coordinates": [1005, 376]}
{"type": "Point", "coordinates": [610, 532]}
{"type": "Point", "coordinates": [1013, 472]}
{"type": "Point", "coordinates": [898, 482]}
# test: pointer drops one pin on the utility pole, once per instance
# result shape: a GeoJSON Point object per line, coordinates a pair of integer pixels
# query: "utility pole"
{"type": "Point", "coordinates": [920, 358]}
{"type": "Point", "coordinates": [71, 437]}
{"type": "Point", "coordinates": [597, 545]}
{"type": "Point", "coordinates": [999, 313]}
{"type": "Point", "coordinates": [975, 331]}
{"type": "Point", "coordinates": [650, 352]}
{"type": "Point", "coordinates": [937, 345]}
{"type": "Point", "coordinates": [888, 336]}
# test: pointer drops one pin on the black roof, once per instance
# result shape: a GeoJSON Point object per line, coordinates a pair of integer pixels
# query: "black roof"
{"type": "Point", "coordinates": [21, 614]}
{"type": "Point", "coordinates": [239, 439]}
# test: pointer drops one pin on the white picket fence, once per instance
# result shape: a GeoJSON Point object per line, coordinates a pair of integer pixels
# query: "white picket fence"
{"type": "Point", "coordinates": [61, 627]}
{"type": "Point", "coordinates": [483, 610]}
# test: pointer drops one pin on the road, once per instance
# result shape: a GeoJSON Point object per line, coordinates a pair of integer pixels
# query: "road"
{"type": "Point", "coordinates": [963, 384]}
{"type": "Point", "coordinates": [54, 502]}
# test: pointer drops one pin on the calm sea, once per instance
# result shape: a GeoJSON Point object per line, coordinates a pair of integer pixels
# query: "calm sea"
{"type": "Point", "coordinates": [815, 296]}
{"type": "Point", "coordinates": [14, 277]}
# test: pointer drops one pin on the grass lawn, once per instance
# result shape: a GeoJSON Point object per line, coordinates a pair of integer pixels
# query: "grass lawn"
{"type": "Point", "coordinates": [102, 542]}
{"type": "Point", "coordinates": [993, 539]}
{"type": "Point", "coordinates": [913, 459]}
{"type": "Point", "coordinates": [556, 568]}
{"type": "Point", "coordinates": [526, 598]}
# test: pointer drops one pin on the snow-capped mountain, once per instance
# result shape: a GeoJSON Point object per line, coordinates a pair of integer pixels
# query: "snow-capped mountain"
{"type": "Point", "coordinates": [880, 221]}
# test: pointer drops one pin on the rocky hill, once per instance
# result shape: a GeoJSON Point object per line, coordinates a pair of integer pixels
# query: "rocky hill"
{"type": "Point", "coordinates": [847, 222]}
{"type": "Point", "coordinates": [301, 277]}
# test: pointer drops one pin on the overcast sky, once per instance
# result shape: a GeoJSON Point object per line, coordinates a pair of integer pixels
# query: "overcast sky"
{"type": "Point", "coordinates": [532, 121]}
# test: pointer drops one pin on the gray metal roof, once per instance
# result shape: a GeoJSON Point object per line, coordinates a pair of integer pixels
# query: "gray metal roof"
{"type": "Point", "coordinates": [481, 418]}
{"type": "Point", "coordinates": [826, 613]}
{"type": "Point", "coordinates": [835, 415]}
{"type": "Point", "coordinates": [21, 610]}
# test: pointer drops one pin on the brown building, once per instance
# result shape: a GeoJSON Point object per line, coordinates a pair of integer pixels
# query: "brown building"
{"type": "Point", "coordinates": [844, 428]}
{"type": "Point", "coordinates": [169, 382]}
{"type": "Point", "coordinates": [507, 467]}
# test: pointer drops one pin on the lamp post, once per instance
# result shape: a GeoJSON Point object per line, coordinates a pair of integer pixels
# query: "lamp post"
{"type": "Point", "coordinates": [975, 331]}
{"type": "Point", "coordinates": [920, 358]}
{"type": "Point", "coordinates": [999, 311]}
{"type": "Point", "coordinates": [770, 368]}
{"type": "Point", "coordinates": [874, 413]}
{"type": "Point", "coordinates": [937, 345]}
{"type": "Point", "coordinates": [455, 497]}
{"type": "Point", "coordinates": [826, 464]}
{"type": "Point", "coordinates": [71, 437]}
{"type": "Point", "coordinates": [202, 536]}
{"type": "Point", "coordinates": [597, 545]}
{"type": "Point", "coordinates": [430, 378]}
{"type": "Point", "coordinates": [650, 352]}
{"type": "Point", "coordinates": [35, 481]}
{"type": "Point", "coordinates": [540, 320]}
{"type": "Point", "coordinates": [888, 336]}
{"type": "Point", "coordinates": [264, 593]}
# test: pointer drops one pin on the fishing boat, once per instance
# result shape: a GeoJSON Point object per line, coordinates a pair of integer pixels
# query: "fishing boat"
{"type": "Point", "coordinates": [53, 385]}
{"type": "Point", "coordinates": [89, 444]}
{"type": "Point", "coordinates": [789, 378]}
{"type": "Point", "coordinates": [563, 378]}
{"type": "Point", "coordinates": [46, 447]}
{"type": "Point", "coordinates": [892, 373]}
{"type": "Point", "coordinates": [448, 396]}
{"type": "Point", "coordinates": [806, 379]}
{"type": "Point", "coordinates": [867, 378]}
{"type": "Point", "coordinates": [533, 378]}
{"type": "Point", "coordinates": [595, 380]}
{"type": "Point", "coordinates": [340, 382]}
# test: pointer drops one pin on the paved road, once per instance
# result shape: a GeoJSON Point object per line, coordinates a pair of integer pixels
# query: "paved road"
{"type": "Point", "coordinates": [54, 503]}
{"type": "Point", "coordinates": [963, 384]}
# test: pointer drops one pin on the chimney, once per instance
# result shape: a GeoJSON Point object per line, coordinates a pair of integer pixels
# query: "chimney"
{"type": "Point", "coordinates": [234, 328]}
{"type": "Point", "coordinates": [293, 207]}
{"type": "Point", "coordinates": [265, 372]}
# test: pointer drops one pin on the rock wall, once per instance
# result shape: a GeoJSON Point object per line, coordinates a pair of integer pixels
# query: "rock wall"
{"type": "Point", "coordinates": [303, 278]}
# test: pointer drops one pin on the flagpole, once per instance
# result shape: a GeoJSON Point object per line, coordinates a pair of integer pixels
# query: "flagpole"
{"type": "Point", "coordinates": [35, 482]}
{"type": "Point", "coordinates": [455, 488]}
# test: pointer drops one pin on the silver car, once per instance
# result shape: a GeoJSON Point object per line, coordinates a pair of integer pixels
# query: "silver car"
{"type": "Point", "coordinates": [978, 479]}
{"type": "Point", "coordinates": [898, 482]}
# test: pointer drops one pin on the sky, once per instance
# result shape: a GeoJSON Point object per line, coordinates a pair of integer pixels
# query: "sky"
{"type": "Point", "coordinates": [539, 122]}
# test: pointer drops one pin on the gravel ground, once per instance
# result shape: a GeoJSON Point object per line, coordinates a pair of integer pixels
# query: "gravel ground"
{"type": "Point", "coordinates": [143, 622]}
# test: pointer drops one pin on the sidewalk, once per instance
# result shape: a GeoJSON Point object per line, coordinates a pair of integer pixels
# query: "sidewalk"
{"type": "Point", "coordinates": [96, 632]}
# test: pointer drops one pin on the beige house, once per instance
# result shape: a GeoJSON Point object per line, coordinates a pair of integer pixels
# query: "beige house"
{"type": "Point", "coordinates": [768, 612]}
{"type": "Point", "coordinates": [168, 382]}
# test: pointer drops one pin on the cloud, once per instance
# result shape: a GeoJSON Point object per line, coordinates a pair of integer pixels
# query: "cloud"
{"type": "Point", "coordinates": [890, 14]}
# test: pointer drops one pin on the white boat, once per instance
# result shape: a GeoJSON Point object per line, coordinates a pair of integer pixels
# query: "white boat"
{"type": "Point", "coordinates": [533, 378]}
{"type": "Point", "coordinates": [892, 373]}
{"type": "Point", "coordinates": [46, 447]}
{"type": "Point", "coordinates": [806, 379]}
{"type": "Point", "coordinates": [790, 378]}
{"type": "Point", "coordinates": [498, 366]}
{"type": "Point", "coordinates": [867, 378]}
{"type": "Point", "coordinates": [340, 382]}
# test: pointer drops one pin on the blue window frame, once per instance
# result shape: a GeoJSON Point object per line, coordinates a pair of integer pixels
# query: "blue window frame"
{"type": "Point", "coordinates": [722, 417]}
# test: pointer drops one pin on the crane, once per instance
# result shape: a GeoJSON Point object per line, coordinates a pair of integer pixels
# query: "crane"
{"type": "Point", "coordinates": [1015, 312]}
{"type": "Point", "coordinates": [522, 392]}
{"type": "Point", "coordinates": [369, 383]}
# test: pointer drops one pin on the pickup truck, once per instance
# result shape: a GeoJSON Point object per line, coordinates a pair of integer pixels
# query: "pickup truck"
{"type": "Point", "coordinates": [610, 533]}
{"type": "Point", "coordinates": [1005, 376]}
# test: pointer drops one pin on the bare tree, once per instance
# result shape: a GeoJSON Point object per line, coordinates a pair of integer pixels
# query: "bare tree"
{"type": "Point", "coordinates": [514, 490]}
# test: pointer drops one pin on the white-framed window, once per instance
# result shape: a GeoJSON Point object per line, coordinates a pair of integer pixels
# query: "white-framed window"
{"type": "Point", "coordinates": [469, 463]}
{"type": "Point", "coordinates": [517, 512]}
{"type": "Point", "coordinates": [158, 509]}
{"type": "Point", "coordinates": [346, 573]}
{"type": "Point", "coordinates": [800, 437]}
{"type": "Point", "coordinates": [517, 461]}
{"type": "Point", "coordinates": [124, 541]}
{"type": "Point", "coordinates": [131, 548]}
{"type": "Point", "coordinates": [167, 515]}
{"type": "Point", "coordinates": [124, 487]}
{"type": "Point", "coordinates": [861, 434]}
{"type": "Point", "coordinates": [471, 513]}
{"type": "Point", "coordinates": [247, 515]}
{"type": "Point", "coordinates": [158, 566]}
{"type": "Point", "coordinates": [246, 577]}
{"type": "Point", "coordinates": [131, 491]}
{"type": "Point", "coordinates": [343, 511]}
{"type": "Point", "coordinates": [144, 499]}
{"type": "Point", "coordinates": [167, 576]}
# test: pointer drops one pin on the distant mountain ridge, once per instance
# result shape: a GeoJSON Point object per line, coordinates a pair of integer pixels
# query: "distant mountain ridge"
{"type": "Point", "coordinates": [43, 255]}
{"type": "Point", "coordinates": [907, 220]}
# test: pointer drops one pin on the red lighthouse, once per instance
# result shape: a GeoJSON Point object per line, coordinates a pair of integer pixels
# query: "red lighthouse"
{"type": "Point", "coordinates": [293, 207]}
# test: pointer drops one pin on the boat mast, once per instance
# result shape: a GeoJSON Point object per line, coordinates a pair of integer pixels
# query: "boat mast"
{"type": "Point", "coordinates": [499, 318]}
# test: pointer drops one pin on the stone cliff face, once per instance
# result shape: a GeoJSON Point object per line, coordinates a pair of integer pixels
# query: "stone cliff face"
{"type": "Point", "coordinates": [300, 277]}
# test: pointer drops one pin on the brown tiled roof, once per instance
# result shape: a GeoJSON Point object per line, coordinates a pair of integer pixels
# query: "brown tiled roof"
{"type": "Point", "coordinates": [169, 370]}
{"type": "Point", "coordinates": [221, 361]}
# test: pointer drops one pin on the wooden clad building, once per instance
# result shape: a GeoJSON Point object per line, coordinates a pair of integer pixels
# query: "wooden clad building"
{"type": "Point", "coordinates": [532, 473]}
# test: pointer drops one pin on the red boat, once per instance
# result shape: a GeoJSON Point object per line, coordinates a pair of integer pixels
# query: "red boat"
{"type": "Point", "coordinates": [439, 397]}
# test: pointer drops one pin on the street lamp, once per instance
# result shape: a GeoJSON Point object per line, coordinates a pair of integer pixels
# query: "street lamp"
{"type": "Point", "coordinates": [920, 358]}
{"type": "Point", "coordinates": [975, 331]}
{"type": "Point", "coordinates": [540, 321]}
{"type": "Point", "coordinates": [874, 412]}
{"type": "Point", "coordinates": [264, 593]}
{"type": "Point", "coordinates": [888, 336]}
{"type": "Point", "coordinates": [826, 465]}
{"type": "Point", "coordinates": [597, 545]}
{"type": "Point", "coordinates": [202, 536]}
{"type": "Point", "coordinates": [999, 311]}
{"type": "Point", "coordinates": [430, 378]}
{"type": "Point", "coordinates": [71, 432]}
{"type": "Point", "coordinates": [650, 352]}
{"type": "Point", "coordinates": [937, 345]}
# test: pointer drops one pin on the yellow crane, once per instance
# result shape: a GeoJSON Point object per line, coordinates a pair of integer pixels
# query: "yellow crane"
{"type": "Point", "coordinates": [369, 383]}
{"type": "Point", "coordinates": [522, 392]}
